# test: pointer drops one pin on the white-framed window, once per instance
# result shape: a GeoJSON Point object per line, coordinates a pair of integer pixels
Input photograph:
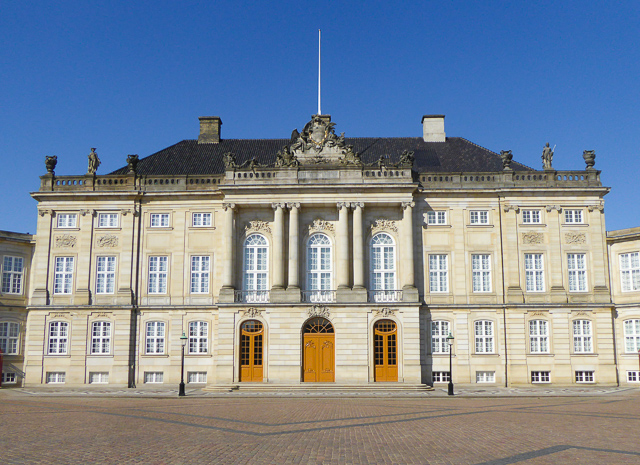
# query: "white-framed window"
{"type": "Point", "coordinates": [573, 216]}
{"type": "Point", "coordinates": [585, 377]}
{"type": "Point", "coordinates": [99, 377]}
{"type": "Point", "coordinates": [479, 217]}
{"type": "Point", "coordinates": [56, 377]}
{"type": "Point", "coordinates": [481, 272]}
{"type": "Point", "coordinates": [577, 265]}
{"type": "Point", "coordinates": [438, 273]}
{"type": "Point", "coordinates": [12, 272]}
{"type": "Point", "coordinates": [63, 275]}
{"type": "Point", "coordinates": [154, 340]}
{"type": "Point", "coordinates": [484, 337]}
{"type": "Point", "coordinates": [9, 378]}
{"type": "Point", "coordinates": [633, 376]}
{"type": "Point", "coordinates": [540, 376]}
{"type": "Point", "coordinates": [439, 332]}
{"type": "Point", "coordinates": [101, 337]}
{"type": "Point", "coordinates": [631, 336]}
{"type": "Point", "coordinates": [531, 217]}
{"type": "Point", "coordinates": [200, 266]}
{"type": "Point", "coordinates": [58, 338]}
{"type": "Point", "coordinates": [485, 376]}
{"type": "Point", "coordinates": [629, 271]}
{"type": "Point", "coordinates": [534, 272]}
{"type": "Point", "coordinates": [437, 217]}
{"type": "Point", "coordinates": [9, 336]}
{"type": "Point", "coordinates": [105, 275]}
{"type": "Point", "coordinates": [319, 267]}
{"type": "Point", "coordinates": [67, 220]}
{"type": "Point", "coordinates": [201, 220]}
{"type": "Point", "coordinates": [582, 337]}
{"type": "Point", "coordinates": [440, 376]}
{"type": "Point", "coordinates": [256, 268]}
{"type": "Point", "coordinates": [153, 377]}
{"type": "Point", "coordinates": [159, 220]}
{"type": "Point", "coordinates": [198, 337]}
{"type": "Point", "coordinates": [107, 220]}
{"type": "Point", "coordinates": [158, 272]}
{"type": "Point", "coordinates": [197, 377]}
{"type": "Point", "coordinates": [539, 336]}
{"type": "Point", "coordinates": [383, 266]}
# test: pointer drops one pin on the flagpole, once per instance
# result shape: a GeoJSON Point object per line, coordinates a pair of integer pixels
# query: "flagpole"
{"type": "Point", "coordinates": [319, 110]}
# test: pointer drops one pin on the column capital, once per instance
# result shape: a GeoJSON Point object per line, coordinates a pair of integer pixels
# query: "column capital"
{"type": "Point", "coordinates": [45, 211]}
{"type": "Point", "coordinates": [277, 205]}
{"type": "Point", "coordinates": [226, 206]}
{"type": "Point", "coordinates": [508, 208]}
{"type": "Point", "coordinates": [592, 208]}
{"type": "Point", "coordinates": [550, 208]}
{"type": "Point", "coordinates": [355, 205]}
{"type": "Point", "coordinates": [406, 205]}
{"type": "Point", "coordinates": [291, 205]}
{"type": "Point", "coordinates": [342, 205]}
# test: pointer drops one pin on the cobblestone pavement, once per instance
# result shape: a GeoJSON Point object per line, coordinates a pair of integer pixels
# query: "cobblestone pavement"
{"type": "Point", "coordinates": [43, 427]}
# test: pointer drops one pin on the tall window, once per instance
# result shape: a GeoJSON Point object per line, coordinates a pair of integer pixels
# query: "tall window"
{"type": "Point", "coordinates": [582, 337]}
{"type": "Point", "coordinates": [155, 337]}
{"type": "Point", "coordinates": [100, 337]}
{"type": "Point", "coordinates": [577, 265]}
{"type": "Point", "coordinates": [479, 217]}
{"type": "Point", "coordinates": [9, 333]}
{"type": "Point", "coordinates": [439, 332]}
{"type": "Point", "coordinates": [436, 217]}
{"type": "Point", "coordinates": [629, 271]}
{"type": "Point", "coordinates": [58, 337]}
{"type": "Point", "coordinates": [63, 276]}
{"type": "Point", "coordinates": [12, 271]}
{"type": "Point", "coordinates": [632, 336]}
{"type": "Point", "coordinates": [539, 336]}
{"type": "Point", "coordinates": [319, 267]}
{"type": "Point", "coordinates": [383, 264]}
{"type": "Point", "coordinates": [200, 275]}
{"type": "Point", "coordinates": [106, 275]}
{"type": "Point", "coordinates": [67, 220]}
{"type": "Point", "coordinates": [438, 273]}
{"type": "Point", "coordinates": [573, 216]}
{"type": "Point", "coordinates": [484, 337]}
{"type": "Point", "coordinates": [481, 272]}
{"type": "Point", "coordinates": [159, 220]}
{"type": "Point", "coordinates": [198, 337]}
{"type": "Point", "coordinates": [200, 220]}
{"type": "Point", "coordinates": [531, 216]}
{"type": "Point", "coordinates": [534, 272]}
{"type": "Point", "coordinates": [107, 220]}
{"type": "Point", "coordinates": [256, 259]}
{"type": "Point", "coordinates": [158, 270]}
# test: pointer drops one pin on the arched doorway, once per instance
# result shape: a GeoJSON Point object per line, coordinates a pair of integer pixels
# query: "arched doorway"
{"type": "Point", "coordinates": [251, 351]}
{"type": "Point", "coordinates": [385, 350]}
{"type": "Point", "coordinates": [318, 351]}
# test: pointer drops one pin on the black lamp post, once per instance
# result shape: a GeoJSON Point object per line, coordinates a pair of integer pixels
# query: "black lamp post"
{"type": "Point", "coordinates": [450, 341]}
{"type": "Point", "coordinates": [183, 341]}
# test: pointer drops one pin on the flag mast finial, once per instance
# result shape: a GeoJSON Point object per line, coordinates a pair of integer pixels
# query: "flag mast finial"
{"type": "Point", "coordinates": [319, 110]}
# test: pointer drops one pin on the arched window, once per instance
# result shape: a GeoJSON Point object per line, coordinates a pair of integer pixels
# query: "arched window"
{"type": "Point", "coordinates": [256, 269]}
{"type": "Point", "coordinates": [383, 268]}
{"type": "Point", "coordinates": [319, 269]}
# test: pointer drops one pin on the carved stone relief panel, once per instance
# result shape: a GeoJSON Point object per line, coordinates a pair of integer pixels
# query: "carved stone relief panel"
{"type": "Point", "coordinates": [252, 312]}
{"type": "Point", "coordinates": [384, 225]}
{"type": "Point", "coordinates": [257, 226]}
{"type": "Point", "coordinates": [575, 238]}
{"type": "Point", "coordinates": [66, 241]}
{"type": "Point", "coordinates": [109, 240]}
{"type": "Point", "coordinates": [532, 238]}
{"type": "Point", "coordinates": [319, 310]}
{"type": "Point", "coordinates": [386, 312]}
{"type": "Point", "coordinates": [321, 225]}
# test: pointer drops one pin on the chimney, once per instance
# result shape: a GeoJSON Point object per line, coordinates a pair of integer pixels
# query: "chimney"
{"type": "Point", "coordinates": [433, 128]}
{"type": "Point", "coordinates": [209, 130]}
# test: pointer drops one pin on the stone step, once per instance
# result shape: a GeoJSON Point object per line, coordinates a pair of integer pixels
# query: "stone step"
{"type": "Point", "coordinates": [316, 387]}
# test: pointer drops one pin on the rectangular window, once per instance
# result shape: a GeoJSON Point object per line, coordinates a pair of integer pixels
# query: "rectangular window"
{"type": "Point", "coordinates": [155, 337]}
{"type": "Point", "coordinates": [12, 271]}
{"type": "Point", "coordinates": [539, 336]}
{"type": "Point", "coordinates": [63, 277]}
{"type": "Point", "coordinates": [534, 272]}
{"type": "Point", "coordinates": [200, 275]}
{"type": "Point", "coordinates": [531, 217]}
{"type": "Point", "coordinates": [9, 334]}
{"type": "Point", "coordinates": [159, 220]}
{"type": "Point", "coordinates": [199, 377]}
{"type": "Point", "coordinates": [106, 275]}
{"type": "Point", "coordinates": [633, 376]}
{"type": "Point", "coordinates": [58, 337]}
{"type": "Point", "coordinates": [629, 271]}
{"type": "Point", "coordinates": [439, 332]}
{"type": "Point", "coordinates": [479, 217]}
{"type": "Point", "coordinates": [481, 272]}
{"type": "Point", "coordinates": [158, 271]}
{"type": "Point", "coordinates": [484, 337]}
{"type": "Point", "coordinates": [200, 220]}
{"type": "Point", "coordinates": [582, 337]}
{"type": "Point", "coordinates": [577, 265]}
{"type": "Point", "coordinates": [632, 336]}
{"type": "Point", "coordinates": [573, 216]}
{"type": "Point", "coordinates": [198, 337]}
{"type": "Point", "coordinates": [440, 376]}
{"type": "Point", "coordinates": [438, 273]}
{"type": "Point", "coordinates": [153, 377]}
{"type": "Point", "coordinates": [485, 376]}
{"type": "Point", "coordinates": [107, 220]}
{"type": "Point", "coordinates": [100, 337]}
{"type": "Point", "coordinates": [67, 220]}
{"type": "Point", "coordinates": [540, 376]}
{"type": "Point", "coordinates": [436, 217]}
{"type": "Point", "coordinates": [56, 377]}
{"type": "Point", "coordinates": [584, 377]}
{"type": "Point", "coordinates": [99, 377]}
{"type": "Point", "coordinates": [9, 378]}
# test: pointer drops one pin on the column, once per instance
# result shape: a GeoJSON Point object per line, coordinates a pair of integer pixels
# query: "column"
{"type": "Point", "coordinates": [278, 246]}
{"type": "Point", "coordinates": [294, 228]}
{"type": "Point", "coordinates": [227, 257]}
{"type": "Point", "coordinates": [556, 287]}
{"type": "Point", "coordinates": [358, 246]}
{"type": "Point", "coordinates": [342, 254]}
{"type": "Point", "coordinates": [407, 244]}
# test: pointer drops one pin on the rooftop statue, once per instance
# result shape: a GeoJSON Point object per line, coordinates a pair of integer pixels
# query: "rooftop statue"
{"type": "Point", "coordinates": [589, 158]}
{"type": "Point", "coordinates": [406, 159]}
{"type": "Point", "coordinates": [285, 158]}
{"type": "Point", "coordinates": [132, 163]}
{"type": "Point", "coordinates": [50, 163]}
{"type": "Point", "coordinates": [94, 161]}
{"type": "Point", "coordinates": [229, 160]}
{"type": "Point", "coordinates": [547, 157]}
{"type": "Point", "coordinates": [506, 156]}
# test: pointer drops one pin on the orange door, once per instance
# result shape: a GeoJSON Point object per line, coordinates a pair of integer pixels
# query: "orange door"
{"type": "Point", "coordinates": [385, 351]}
{"type": "Point", "coordinates": [251, 348]}
{"type": "Point", "coordinates": [318, 352]}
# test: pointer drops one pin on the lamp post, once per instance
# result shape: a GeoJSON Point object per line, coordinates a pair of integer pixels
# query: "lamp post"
{"type": "Point", "coordinates": [450, 341]}
{"type": "Point", "coordinates": [183, 342]}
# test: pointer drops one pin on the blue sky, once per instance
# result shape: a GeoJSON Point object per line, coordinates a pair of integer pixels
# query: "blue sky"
{"type": "Point", "coordinates": [133, 77]}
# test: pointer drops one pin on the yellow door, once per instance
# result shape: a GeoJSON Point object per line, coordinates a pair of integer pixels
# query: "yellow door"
{"type": "Point", "coordinates": [318, 351]}
{"type": "Point", "coordinates": [251, 351]}
{"type": "Point", "coordinates": [385, 351]}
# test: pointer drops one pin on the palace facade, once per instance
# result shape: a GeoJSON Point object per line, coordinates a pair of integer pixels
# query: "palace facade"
{"type": "Point", "coordinates": [325, 259]}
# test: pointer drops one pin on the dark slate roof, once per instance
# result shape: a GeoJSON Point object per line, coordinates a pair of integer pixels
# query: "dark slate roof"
{"type": "Point", "coordinates": [454, 155]}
